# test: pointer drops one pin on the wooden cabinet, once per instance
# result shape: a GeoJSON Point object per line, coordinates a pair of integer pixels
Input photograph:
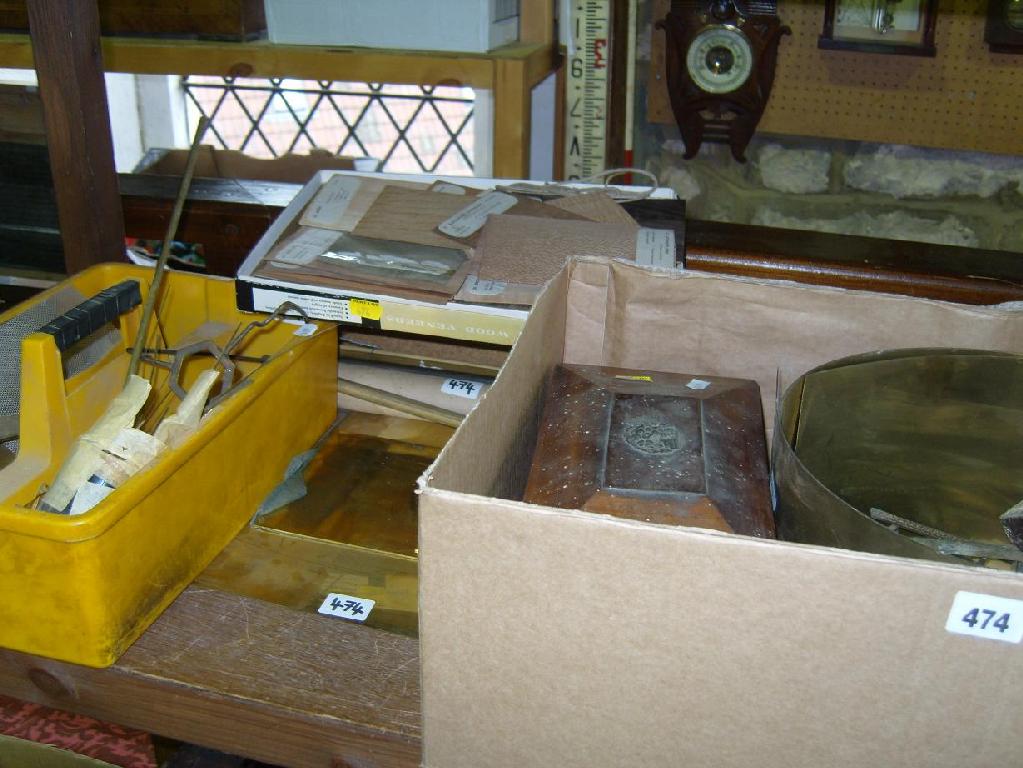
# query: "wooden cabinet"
{"type": "Point", "coordinates": [206, 19]}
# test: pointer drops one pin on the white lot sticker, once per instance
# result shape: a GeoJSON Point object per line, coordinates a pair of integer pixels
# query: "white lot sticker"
{"type": "Point", "coordinates": [474, 215]}
{"type": "Point", "coordinates": [480, 287]}
{"type": "Point", "coordinates": [306, 329]}
{"type": "Point", "coordinates": [986, 616]}
{"type": "Point", "coordinates": [698, 384]}
{"type": "Point", "coordinates": [331, 202]}
{"type": "Point", "coordinates": [346, 607]}
{"type": "Point", "coordinates": [304, 246]}
{"type": "Point", "coordinates": [462, 388]}
{"type": "Point", "coordinates": [655, 248]}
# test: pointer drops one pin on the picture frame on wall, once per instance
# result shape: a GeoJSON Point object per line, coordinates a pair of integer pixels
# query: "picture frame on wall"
{"type": "Point", "coordinates": [1003, 31]}
{"type": "Point", "coordinates": [903, 27]}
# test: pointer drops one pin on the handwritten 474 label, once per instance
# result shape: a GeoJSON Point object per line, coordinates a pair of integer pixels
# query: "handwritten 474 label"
{"type": "Point", "coordinates": [462, 388]}
{"type": "Point", "coordinates": [346, 607]}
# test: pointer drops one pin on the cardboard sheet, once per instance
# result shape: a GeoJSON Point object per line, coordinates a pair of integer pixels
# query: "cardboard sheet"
{"type": "Point", "coordinates": [595, 206]}
{"type": "Point", "coordinates": [344, 200]}
{"type": "Point", "coordinates": [557, 637]}
{"type": "Point", "coordinates": [476, 290]}
{"type": "Point", "coordinates": [232, 164]}
{"type": "Point", "coordinates": [531, 250]}
{"type": "Point", "coordinates": [414, 216]}
{"type": "Point", "coordinates": [411, 216]}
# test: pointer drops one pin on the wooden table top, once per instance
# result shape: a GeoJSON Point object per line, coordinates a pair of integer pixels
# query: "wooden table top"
{"type": "Point", "coordinates": [250, 678]}
{"type": "Point", "coordinates": [269, 681]}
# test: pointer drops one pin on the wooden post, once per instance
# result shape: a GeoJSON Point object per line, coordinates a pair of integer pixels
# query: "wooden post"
{"type": "Point", "coordinates": [512, 115]}
{"type": "Point", "coordinates": [559, 122]}
{"type": "Point", "coordinates": [536, 22]}
{"type": "Point", "coordinates": [66, 47]}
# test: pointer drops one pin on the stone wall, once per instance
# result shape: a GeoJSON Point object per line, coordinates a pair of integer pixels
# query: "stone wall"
{"type": "Point", "coordinates": [899, 192]}
{"type": "Point", "coordinates": [903, 193]}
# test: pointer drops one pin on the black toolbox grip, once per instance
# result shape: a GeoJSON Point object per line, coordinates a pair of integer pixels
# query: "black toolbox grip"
{"type": "Point", "coordinates": [92, 314]}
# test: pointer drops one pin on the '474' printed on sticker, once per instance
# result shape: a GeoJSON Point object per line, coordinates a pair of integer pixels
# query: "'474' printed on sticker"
{"type": "Point", "coordinates": [346, 607]}
{"type": "Point", "coordinates": [987, 616]}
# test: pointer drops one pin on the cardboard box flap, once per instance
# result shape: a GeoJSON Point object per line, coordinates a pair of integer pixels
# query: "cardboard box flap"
{"type": "Point", "coordinates": [557, 637]}
{"type": "Point", "coordinates": [699, 322]}
{"type": "Point", "coordinates": [499, 468]}
{"type": "Point", "coordinates": [602, 312]}
{"type": "Point", "coordinates": [231, 164]}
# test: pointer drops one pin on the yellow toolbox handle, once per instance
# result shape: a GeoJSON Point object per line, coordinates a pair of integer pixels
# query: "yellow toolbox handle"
{"type": "Point", "coordinates": [45, 420]}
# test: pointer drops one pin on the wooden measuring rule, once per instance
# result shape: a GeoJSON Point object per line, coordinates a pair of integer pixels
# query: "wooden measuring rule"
{"type": "Point", "coordinates": [586, 88]}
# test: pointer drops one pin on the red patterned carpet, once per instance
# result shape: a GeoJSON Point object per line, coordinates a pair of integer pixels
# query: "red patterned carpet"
{"type": "Point", "coordinates": [103, 741]}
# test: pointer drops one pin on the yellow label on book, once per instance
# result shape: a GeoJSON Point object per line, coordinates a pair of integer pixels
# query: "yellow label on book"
{"type": "Point", "coordinates": [634, 378]}
{"type": "Point", "coordinates": [365, 308]}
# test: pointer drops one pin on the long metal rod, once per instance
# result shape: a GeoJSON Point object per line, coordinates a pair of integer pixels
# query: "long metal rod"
{"type": "Point", "coordinates": [149, 308]}
{"type": "Point", "coordinates": [399, 403]}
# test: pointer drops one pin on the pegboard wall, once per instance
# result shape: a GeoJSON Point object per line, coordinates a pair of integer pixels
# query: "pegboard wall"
{"type": "Point", "coordinates": [964, 98]}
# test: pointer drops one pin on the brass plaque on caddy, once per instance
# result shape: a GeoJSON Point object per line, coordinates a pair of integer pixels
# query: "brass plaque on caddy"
{"type": "Point", "coordinates": [659, 447]}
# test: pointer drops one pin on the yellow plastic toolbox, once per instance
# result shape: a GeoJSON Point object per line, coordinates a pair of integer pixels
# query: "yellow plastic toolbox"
{"type": "Point", "coordinates": [82, 588]}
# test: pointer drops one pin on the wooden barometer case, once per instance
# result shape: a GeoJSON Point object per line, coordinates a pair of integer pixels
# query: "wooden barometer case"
{"type": "Point", "coordinates": [720, 58]}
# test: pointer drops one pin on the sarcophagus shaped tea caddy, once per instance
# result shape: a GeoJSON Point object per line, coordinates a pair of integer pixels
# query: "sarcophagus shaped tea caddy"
{"type": "Point", "coordinates": [659, 447]}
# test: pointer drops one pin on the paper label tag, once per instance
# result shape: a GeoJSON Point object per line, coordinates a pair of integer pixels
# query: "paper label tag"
{"type": "Point", "coordinates": [304, 246]}
{"type": "Point", "coordinates": [655, 248]}
{"type": "Point", "coordinates": [461, 388]}
{"type": "Point", "coordinates": [371, 310]}
{"type": "Point", "coordinates": [479, 287]}
{"type": "Point", "coordinates": [88, 496]}
{"type": "Point", "coordinates": [346, 607]}
{"type": "Point", "coordinates": [474, 215]}
{"type": "Point", "coordinates": [697, 384]}
{"type": "Point", "coordinates": [306, 329]}
{"type": "Point", "coordinates": [331, 202]}
{"type": "Point", "coordinates": [447, 189]}
{"type": "Point", "coordinates": [986, 616]}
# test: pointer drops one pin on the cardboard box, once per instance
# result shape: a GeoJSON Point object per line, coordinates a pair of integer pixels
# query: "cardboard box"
{"type": "Point", "coordinates": [475, 26]}
{"type": "Point", "coordinates": [33, 754]}
{"type": "Point", "coordinates": [485, 323]}
{"type": "Point", "coordinates": [558, 637]}
{"type": "Point", "coordinates": [232, 164]}
{"type": "Point", "coordinates": [374, 311]}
